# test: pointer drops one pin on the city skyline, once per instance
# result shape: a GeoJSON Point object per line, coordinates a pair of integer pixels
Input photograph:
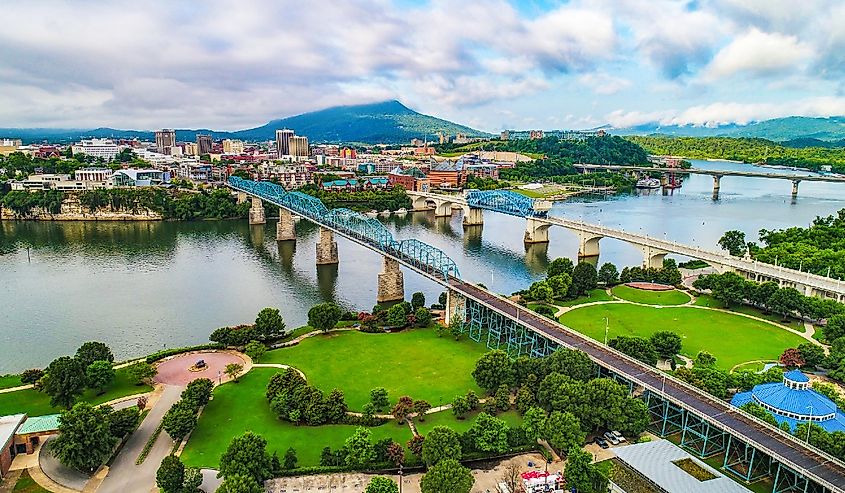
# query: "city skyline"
{"type": "Point", "coordinates": [489, 65]}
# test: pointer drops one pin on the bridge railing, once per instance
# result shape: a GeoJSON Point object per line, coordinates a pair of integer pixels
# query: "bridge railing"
{"type": "Point", "coordinates": [353, 224]}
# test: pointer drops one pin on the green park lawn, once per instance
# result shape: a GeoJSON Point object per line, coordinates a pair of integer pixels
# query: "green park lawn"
{"type": "Point", "coordinates": [793, 323]}
{"type": "Point", "coordinates": [673, 297]}
{"type": "Point", "coordinates": [36, 403]}
{"type": "Point", "coordinates": [592, 296]}
{"type": "Point", "coordinates": [240, 407]}
{"type": "Point", "coordinates": [414, 362]}
{"type": "Point", "coordinates": [730, 338]}
{"type": "Point", "coordinates": [446, 418]}
{"type": "Point", "coordinates": [26, 484]}
{"type": "Point", "coordinates": [9, 381]}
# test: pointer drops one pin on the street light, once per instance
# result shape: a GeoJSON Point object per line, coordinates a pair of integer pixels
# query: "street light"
{"type": "Point", "coordinates": [606, 327]}
{"type": "Point", "coordinates": [400, 478]}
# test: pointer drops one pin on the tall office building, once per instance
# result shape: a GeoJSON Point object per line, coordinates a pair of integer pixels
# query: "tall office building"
{"type": "Point", "coordinates": [165, 139]}
{"type": "Point", "coordinates": [299, 146]}
{"type": "Point", "coordinates": [232, 146]}
{"type": "Point", "coordinates": [204, 144]}
{"type": "Point", "coordinates": [283, 142]}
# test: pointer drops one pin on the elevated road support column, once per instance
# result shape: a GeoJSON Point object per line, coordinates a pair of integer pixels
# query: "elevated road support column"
{"type": "Point", "coordinates": [241, 197]}
{"type": "Point", "coordinates": [326, 248]}
{"type": "Point", "coordinates": [652, 257]}
{"type": "Point", "coordinates": [285, 227]}
{"type": "Point", "coordinates": [442, 208]}
{"type": "Point", "coordinates": [795, 189]}
{"type": "Point", "coordinates": [588, 244]}
{"type": "Point", "coordinates": [473, 216]}
{"type": "Point", "coordinates": [536, 231]}
{"type": "Point", "coordinates": [391, 283]}
{"type": "Point", "coordinates": [717, 183]}
{"type": "Point", "coordinates": [256, 212]}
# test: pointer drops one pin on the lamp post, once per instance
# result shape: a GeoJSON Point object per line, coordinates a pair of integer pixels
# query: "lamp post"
{"type": "Point", "coordinates": [400, 478]}
{"type": "Point", "coordinates": [606, 327]}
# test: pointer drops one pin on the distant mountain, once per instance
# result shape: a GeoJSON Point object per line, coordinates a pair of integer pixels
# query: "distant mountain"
{"type": "Point", "coordinates": [388, 122]}
{"type": "Point", "coordinates": [791, 128]}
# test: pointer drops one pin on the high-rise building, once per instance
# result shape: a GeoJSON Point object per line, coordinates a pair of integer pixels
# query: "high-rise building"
{"type": "Point", "coordinates": [283, 142]}
{"type": "Point", "coordinates": [232, 146]}
{"type": "Point", "coordinates": [299, 146]}
{"type": "Point", "coordinates": [165, 139]}
{"type": "Point", "coordinates": [204, 144]}
{"type": "Point", "coordinates": [104, 148]}
{"type": "Point", "coordinates": [190, 149]}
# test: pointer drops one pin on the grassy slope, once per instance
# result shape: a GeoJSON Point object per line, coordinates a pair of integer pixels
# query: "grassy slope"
{"type": "Point", "coordinates": [673, 297]}
{"type": "Point", "coordinates": [446, 418]}
{"type": "Point", "coordinates": [707, 300]}
{"type": "Point", "coordinates": [732, 339]}
{"type": "Point", "coordinates": [413, 362]}
{"type": "Point", "coordinates": [594, 295]}
{"type": "Point", "coordinates": [36, 403]}
{"type": "Point", "coordinates": [240, 407]}
{"type": "Point", "coordinates": [9, 381]}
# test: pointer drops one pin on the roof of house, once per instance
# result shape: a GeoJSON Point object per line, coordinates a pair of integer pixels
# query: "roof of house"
{"type": "Point", "coordinates": [449, 166]}
{"type": "Point", "coordinates": [413, 171]}
{"type": "Point", "coordinates": [39, 424]}
{"type": "Point", "coordinates": [655, 460]}
{"type": "Point", "coordinates": [794, 401]}
{"type": "Point", "coordinates": [8, 425]}
{"type": "Point", "coordinates": [796, 376]}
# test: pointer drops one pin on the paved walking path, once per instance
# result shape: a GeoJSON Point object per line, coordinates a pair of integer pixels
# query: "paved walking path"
{"type": "Point", "coordinates": [126, 477]}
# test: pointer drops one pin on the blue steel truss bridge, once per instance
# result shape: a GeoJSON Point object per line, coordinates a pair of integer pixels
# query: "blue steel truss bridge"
{"type": "Point", "coordinates": [705, 425]}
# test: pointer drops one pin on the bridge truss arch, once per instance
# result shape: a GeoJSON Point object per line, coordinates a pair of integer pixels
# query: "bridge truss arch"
{"type": "Point", "coordinates": [504, 201]}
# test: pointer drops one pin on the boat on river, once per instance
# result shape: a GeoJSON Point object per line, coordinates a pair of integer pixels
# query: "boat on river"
{"type": "Point", "coordinates": [648, 183]}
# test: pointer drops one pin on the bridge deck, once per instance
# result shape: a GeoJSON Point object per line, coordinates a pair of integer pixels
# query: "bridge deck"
{"type": "Point", "coordinates": [716, 172]}
{"type": "Point", "coordinates": [783, 448]}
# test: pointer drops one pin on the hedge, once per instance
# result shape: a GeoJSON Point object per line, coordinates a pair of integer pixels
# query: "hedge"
{"type": "Point", "coordinates": [179, 350]}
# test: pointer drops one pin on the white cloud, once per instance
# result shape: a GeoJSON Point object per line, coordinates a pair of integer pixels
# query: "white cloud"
{"type": "Point", "coordinates": [760, 54]}
{"type": "Point", "coordinates": [603, 83]}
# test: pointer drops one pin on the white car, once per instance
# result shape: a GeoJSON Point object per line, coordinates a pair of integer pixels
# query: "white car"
{"type": "Point", "coordinates": [610, 437]}
{"type": "Point", "coordinates": [618, 435]}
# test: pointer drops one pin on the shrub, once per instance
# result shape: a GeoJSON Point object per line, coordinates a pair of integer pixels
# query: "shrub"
{"type": "Point", "coordinates": [31, 376]}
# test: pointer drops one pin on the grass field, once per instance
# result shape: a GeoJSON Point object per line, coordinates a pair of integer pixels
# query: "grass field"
{"type": "Point", "coordinates": [731, 339]}
{"type": "Point", "coordinates": [594, 295]}
{"type": "Point", "coordinates": [413, 362]}
{"type": "Point", "coordinates": [9, 381]}
{"type": "Point", "coordinates": [446, 418]}
{"type": "Point", "coordinates": [793, 323]}
{"type": "Point", "coordinates": [673, 297]}
{"type": "Point", "coordinates": [240, 407]}
{"type": "Point", "coordinates": [26, 484]}
{"type": "Point", "coordinates": [36, 403]}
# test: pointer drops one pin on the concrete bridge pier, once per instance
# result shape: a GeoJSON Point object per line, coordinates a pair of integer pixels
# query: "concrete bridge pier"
{"type": "Point", "coordinates": [256, 212]}
{"type": "Point", "coordinates": [536, 231]}
{"type": "Point", "coordinates": [588, 244]}
{"type": "Point", "coordinates": [241, 197]}
{"type": "Point", "coordinates": [795, 188]}
{"type": "Point", "coordinates": [391, 283]}
{"type": "Point", "coordinates": [473, 216]}
{"type": "Point", "coordinates": [652, 257]}
{"type": "Point", "coordinates": [418, 203]}
{"type": "Point", "coordinates": [442, 208]}
{"type": "Point", "coordinates": [285, 227]}
{"type": "Point", "coordinates": [455, 307]}
{"type": "Point", "coordinates": [326, 248]}
{"type": "Point", "coordinates": [717, 183]}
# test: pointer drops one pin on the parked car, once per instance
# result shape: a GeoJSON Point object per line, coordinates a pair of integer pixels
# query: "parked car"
{"type": "Point", "coordinates": [601, 442]}
{"type": "Point", "coordinates": [618, 435]}
{"type": "Point", "coordinates": [610, 437]}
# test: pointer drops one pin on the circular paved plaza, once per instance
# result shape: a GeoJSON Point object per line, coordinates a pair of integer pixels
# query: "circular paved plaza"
{"type": "Point", "coordinates": [177, 370]}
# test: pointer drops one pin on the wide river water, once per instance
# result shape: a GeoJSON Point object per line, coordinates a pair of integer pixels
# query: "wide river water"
{"type": "Point", "coordinates": [141, 286]}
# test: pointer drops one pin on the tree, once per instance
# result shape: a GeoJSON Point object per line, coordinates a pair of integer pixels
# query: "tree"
{"type": "Point", "coordinates": [503, 398]}
{"type": "Point", "coordinates": [525, 399]}
{"type": "Point", "coordinates": [290, 459]}
{"type": "Point", "coordinates": [423, 317]}
{"type": "Point", "coordinates": [239, 483]}
{"type": "Point", "coordinates": [472, 400]}
{"type": "Point", "coordinates": [705, 359]}
{"type": "Point", "coordinates": [198, 392]}
{"type": "Point", "coordinates": [812, 354]}
{"type": "Point", "coordinates": [379, 398]}
{"type": "Point", "coordinates": [417, 301]}
{"type": "Point", "coordinates": [324, 316]}
{"type": "Point", "coordinates": [493, 369]}
{"type": "Point", "coordinates": [666, 343]}
{"type": "Point", "coordinates": [85, 440]}
{"type": "Point", "coordinates": [633, 418]}
{"type": "Point", "coordinates": [336, 406]}
{"type": "Point", "coordinates": [791, 357]}
{"type": "Point", "coordinates": [395, 454]}
{"type": "Point", "coordinates": [580, 475]}
{"type": "Point", "coordinates": [729, 288]}
{"type": "Point", "coordinates": [421, 407]}
{"type": "Point", "coordinates": [563, 431]}
{"type": "Point", "coordinates": [511, 476]}
{"type": "Point", "coordinates": [404, 406]}
{"type": "Point", "coordinates": [65, 380]}
{"type": "Point", "coordinates": [560, 265]}
{"type": "Point", "coordinates": [247, 455]}
{"type": "Point", "coordinates": [123, 422]}
{"type": "Point", "coordinates": [541, 291]}
{"type": "Point", "coordinates": [396, 316]}
{"type": "Point", "coordinates": [171, 474]}
{"type": "Point", "coordinates": [447, 476]}
{"type": "Point", "coordinates": [570, 362]}
{"type": "Point", "coordinates": [785, 301]}
{"type": "Point", "coordinates": [381, 484]}
{"type": "Point", "coordinates": [560, 285]}
{"type": "Point", "coordinates": [141, 372]}
{"type": "Point", "coordinates": [93, 351]}
{"type": "Point", "coordinates": [490, 434]}
{"type": "Point", "coordinates": [31, 376]}
{"type": "Point", "coordinates": [193, 480]}
{"type": "Point", "coordinates": [441, 443]}
{"type": "Point", "coordinates": [180, 420]}
{"type": "Point", "coordinates": [442, 299]}
{"type": "Point", "coordinates": [460, 406]}
{"type": "Point", "coordinates": [608, 274]}
{"type": "Point", "coordinates": [534, 423]}
{"type": "Point", "coordinates": [584, 278]}
{"type": "Point", "coordinates": [635, 347]}
{"type": "Point", "coordinates": [734, 243]}
{"type": "Point", "coordinates": [415, 445]}
{"type": "Point", "coordinates": [233, 371]}
{"type": "Point", "coordinates": [359, 448]}
{"type": "Point", "coordinates": [269, 324]}
{"type": "Point", "coordinates": [255, 350]}
{"type": "Point", "coordinates": [835, 328]}
{"type": "Point", "coordinates": [99, 375]}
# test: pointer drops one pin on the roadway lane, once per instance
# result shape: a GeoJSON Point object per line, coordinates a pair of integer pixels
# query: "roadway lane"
{"type": "Point", "coordinates": [783, 448]}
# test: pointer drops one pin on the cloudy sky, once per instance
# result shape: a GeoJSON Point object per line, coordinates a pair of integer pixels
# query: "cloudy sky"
{"type": "Point", "coordinates": [490, 64]}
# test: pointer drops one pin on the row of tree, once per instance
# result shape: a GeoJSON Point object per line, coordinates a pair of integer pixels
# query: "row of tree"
{"type": "Point", "coordinates": [181, 418]}
{"type": "Point", "coordinates": [88, 434]}
{"type": "Point", "coordinates": [662, 344]}
{"type": "Point", "coordinates": [292, 399]}
{"type": "Point", "coordinates": [361, 200]}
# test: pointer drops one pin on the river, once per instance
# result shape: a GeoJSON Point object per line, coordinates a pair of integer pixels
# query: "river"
{"type": "Point", "coordinates": [143, 286]}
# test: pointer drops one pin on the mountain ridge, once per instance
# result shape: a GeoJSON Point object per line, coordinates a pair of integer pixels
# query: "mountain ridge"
{"type": "Point", "coordinates": [783, 129]}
